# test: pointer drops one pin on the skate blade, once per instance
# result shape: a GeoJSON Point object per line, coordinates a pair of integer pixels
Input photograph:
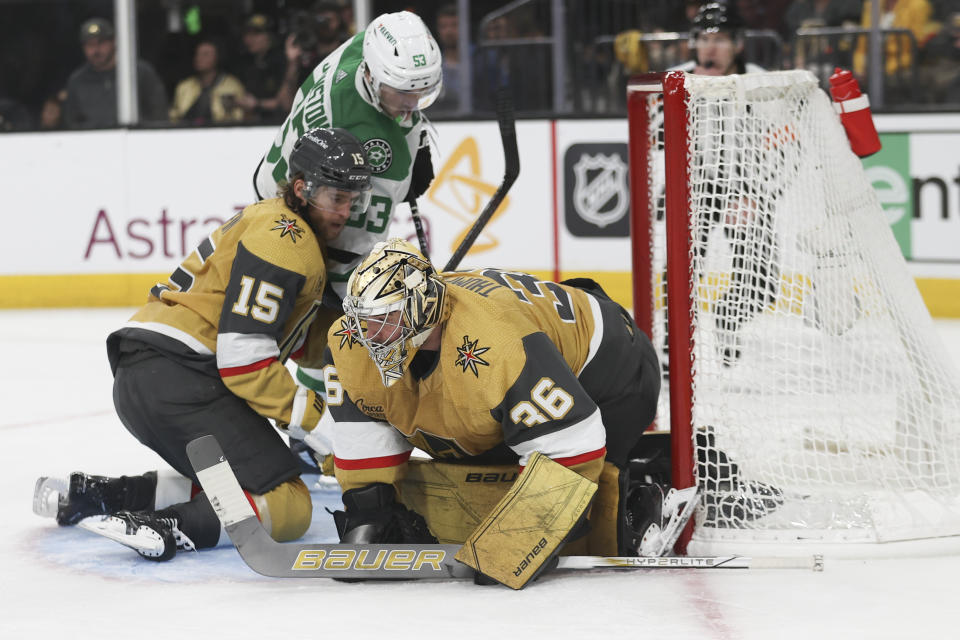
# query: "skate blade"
{"type": "Point", "coordinates": [116, 530]}
{"type": "Point", "coordinates": [680, 505]}
{"type": "Point", "coordinates": [46, 496]}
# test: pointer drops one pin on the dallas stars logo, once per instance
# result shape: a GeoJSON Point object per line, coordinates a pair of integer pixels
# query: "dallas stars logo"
{"type": "Point", "coordinates": [288, 227]}
{"type": "Point", "coordinates": [347, 334]}
{"type": "Point", "coordinates": [468, 356]}
{"type": "Point", "coordinates": [379, 154]}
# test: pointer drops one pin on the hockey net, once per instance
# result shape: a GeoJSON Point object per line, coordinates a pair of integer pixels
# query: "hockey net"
{"type": "Point", "coordinates": [805, 386]}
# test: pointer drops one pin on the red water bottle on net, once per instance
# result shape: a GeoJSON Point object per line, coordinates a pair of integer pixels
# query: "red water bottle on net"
{"type": "Point", "coordinates": [854, 110]}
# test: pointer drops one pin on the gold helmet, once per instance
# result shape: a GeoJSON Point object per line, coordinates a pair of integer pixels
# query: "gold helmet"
{"type": "Point", "coordinates": [394, 301]}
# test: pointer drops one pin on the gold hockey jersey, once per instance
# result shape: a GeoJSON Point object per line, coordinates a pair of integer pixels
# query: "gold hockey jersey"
{"type": "Point", "coordinates": [522, 365]}
{"type": "Point", "coordinates": [238, 306]}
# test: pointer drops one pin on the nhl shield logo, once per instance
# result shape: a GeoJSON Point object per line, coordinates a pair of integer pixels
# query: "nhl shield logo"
{"type": "Point", "coordinates": [596, 193]}
{"type": "Point", "coordinates": [599, 189]}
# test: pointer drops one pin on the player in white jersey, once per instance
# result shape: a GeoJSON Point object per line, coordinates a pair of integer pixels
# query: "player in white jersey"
{"type": "Point", "coordinates": [374, 85]}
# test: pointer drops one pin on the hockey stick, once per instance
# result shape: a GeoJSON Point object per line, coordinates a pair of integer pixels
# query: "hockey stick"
{"type": "Point", "coordinates": [306, 560]}
{"type": "Point", "coordinates": [511, 169]}
{"type": "Point", "coordinates": [379, 561]}
{"type": "Point", "coordinates": [814, 562]}
{"type": "Point", "coordinates": [418, 225]}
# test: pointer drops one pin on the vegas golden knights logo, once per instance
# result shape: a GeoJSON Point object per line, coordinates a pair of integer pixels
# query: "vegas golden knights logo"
{"type": "Point", "coordinates": [347, 335]}
{"type": "Point", "coordinates": [288, 227]}
{"type": "Point", "coordinates": [468, 356]}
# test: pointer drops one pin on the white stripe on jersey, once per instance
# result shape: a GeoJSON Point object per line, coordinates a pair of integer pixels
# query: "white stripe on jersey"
{"type": "Point", "coordinates": [240, 349]}
{"type": "Point", "coordinates": [582, 437]}
{"type": "Point", "coordinates": [597, 336]}
{"type": "Point", "coordinates": [360, 440]}
{"type": "Point", "coordinates": [172, 332]}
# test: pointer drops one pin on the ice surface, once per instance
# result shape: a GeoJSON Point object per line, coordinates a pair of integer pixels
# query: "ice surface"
{"type": "Point", "coordinates": [58, 416]}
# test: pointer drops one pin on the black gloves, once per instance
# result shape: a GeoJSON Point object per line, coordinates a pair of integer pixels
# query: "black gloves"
{"type": "Point", "coordinates": [373, 516]}
{"type": "Point", "coordinates": [422, 174]}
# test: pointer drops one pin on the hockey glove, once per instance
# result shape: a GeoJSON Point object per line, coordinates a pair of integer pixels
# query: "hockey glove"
{"type": "Point", "coordinates": [422, 174]}
{"type": "Point", "coordinates": [373, 516]}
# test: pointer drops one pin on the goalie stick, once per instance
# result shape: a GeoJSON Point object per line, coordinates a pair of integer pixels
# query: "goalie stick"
{"type": "Point", "coordinates": [389, 561]}
{"type": "Point", "coordinates": [511, 169]}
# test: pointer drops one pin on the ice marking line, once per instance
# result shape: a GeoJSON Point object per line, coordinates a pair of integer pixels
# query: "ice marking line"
{"type": "Point", "coordinates": [45, 421]}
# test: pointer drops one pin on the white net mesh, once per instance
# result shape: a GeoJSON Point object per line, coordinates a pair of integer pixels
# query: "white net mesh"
{"type": "Point", "coordinates": [824, 406]}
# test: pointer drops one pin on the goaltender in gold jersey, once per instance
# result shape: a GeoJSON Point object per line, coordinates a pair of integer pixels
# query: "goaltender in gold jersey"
{"type": "Point", "coordinates": [489, 372]}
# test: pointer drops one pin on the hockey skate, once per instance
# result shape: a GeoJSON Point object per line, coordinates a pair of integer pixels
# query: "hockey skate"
{"type": "Point", "coordinates": [658, 518]}
{"type": "Point", "coordinates": [155, 535]}
{"type": "Point", "coordinates": [83, 495]}
{"type": "Point", "coordinates": [730, 499]}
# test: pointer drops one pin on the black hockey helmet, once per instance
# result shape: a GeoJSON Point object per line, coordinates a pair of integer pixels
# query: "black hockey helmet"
{"type": "Point", "coordinates": [714, 17]}
{"type": "Point", "coordinates": [330, 157]}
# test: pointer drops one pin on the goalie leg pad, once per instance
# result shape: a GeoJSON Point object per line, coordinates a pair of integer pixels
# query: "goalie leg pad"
{"type": "Point", "coordinates": [455, 498]}
{"type": "Point", "coordinates": [606, 514]}
{"type": "Point", "coordinates": [526, 529]}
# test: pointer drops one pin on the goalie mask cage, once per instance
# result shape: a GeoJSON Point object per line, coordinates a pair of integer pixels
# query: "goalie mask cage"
{"type": "Point", "coordinates": [805, 386]}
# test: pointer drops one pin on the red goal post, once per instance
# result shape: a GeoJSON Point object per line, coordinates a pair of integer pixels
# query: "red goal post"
{"type": "Point", "coordinates": [804, 386]}
{"type": "Point", "coordinates": [642, 145]}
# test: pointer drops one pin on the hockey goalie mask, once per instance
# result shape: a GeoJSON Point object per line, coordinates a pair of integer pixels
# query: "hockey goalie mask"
{"type": "Point", "coordinates": [394, 301]}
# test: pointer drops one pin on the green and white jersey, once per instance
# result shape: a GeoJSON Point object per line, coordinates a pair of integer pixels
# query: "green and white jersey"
{"type": "Point", "coordinates": [335, 95]}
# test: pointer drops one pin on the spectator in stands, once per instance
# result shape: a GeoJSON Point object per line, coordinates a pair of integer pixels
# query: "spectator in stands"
{"type": "Point", "coordinates": [210, 96]}
{"type": "Point", "coordinates": [92, 89]}
{"type": "Point", "coordinates": [761, 14]}
{"type": "Point", "coordinates": [51, 113]}
{"type": "Point", "coordinates": [448, 37]}
{"type": "Point", "coordinates": [635, 55]}
{"type": "Point", "coordinates": [14, 116]}
{"type": "Point", "coordinates": [940, 68]}
{"type": "Point", "coordinates": [348, 25]}
{"type": "Point", "coordinates": [914, 15]}
{"type": "Point", "coordinates": [331, 30]}
{"type": "Point", "coordinates": [313, 36]}
{"type": "Point", "coordinates": [493, 70]}
{"type": "Point", "coordinates": [804, 14]}
{"type": "Point", "coordinates": [261, 70]}
{"type": "Point", "coordinates": [811, 14]}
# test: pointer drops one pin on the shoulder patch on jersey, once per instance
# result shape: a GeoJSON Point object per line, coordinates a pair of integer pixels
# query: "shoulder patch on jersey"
{"type": "Point", "coordinates": [288, 227]}
{"type": "Point", "coordinates": [379, 154]}
{"type": "Point", "coordinates": [347, 335]}
{"type": "Point", "coordinates": [468, 356]}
